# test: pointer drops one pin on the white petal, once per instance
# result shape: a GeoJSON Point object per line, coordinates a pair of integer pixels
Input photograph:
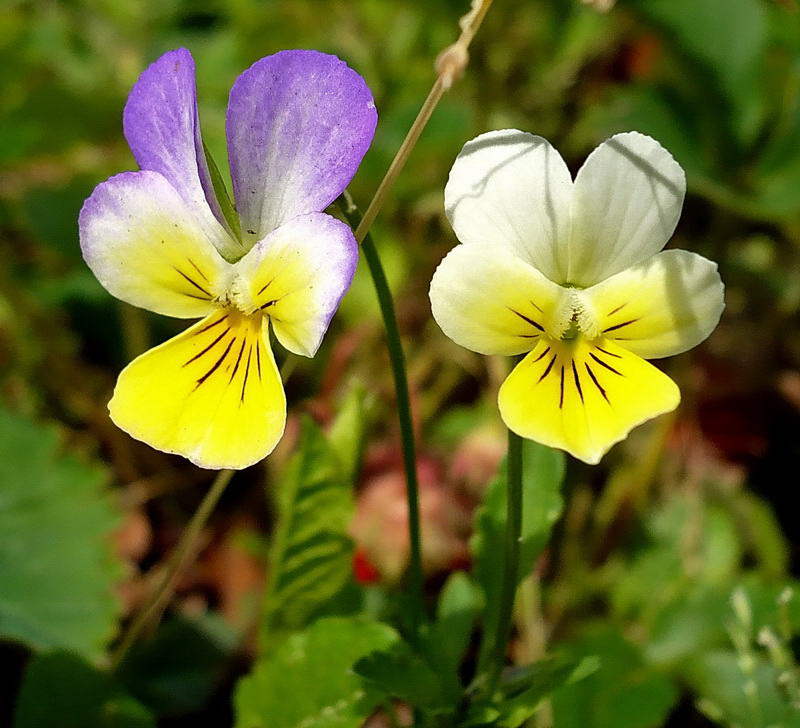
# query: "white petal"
{"type": "Point", "coordinates": [494, 304]}
{"type": "Point", "coordinates": [297, 275]}
{"type": "Point", "coordinates": [146, 247]}
{"type": "Point", "coordinates": [627, 200]}
{"type": "Point", "coordinates": [661, 307]}
{"type": "Point", "coordinates": [509, 189]}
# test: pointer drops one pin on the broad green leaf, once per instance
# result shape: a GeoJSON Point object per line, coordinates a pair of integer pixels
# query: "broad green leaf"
{"type": "Point", "coordinates": [57, 569]}
{"type": "Point", "coordinates": [60, 690]}
{"type": "Point", "coordinates": [543, 472]}
{"type": "Point", "coordinates": [221, 191]}
{"type": "Point", "coordinates": [623, 692]}
{"type": "Point", "coordinates": [311, 556]}
{"type": "Point", "coordinates": [309, 681]}
{"type": "Point", "coordinates": [737, 697]}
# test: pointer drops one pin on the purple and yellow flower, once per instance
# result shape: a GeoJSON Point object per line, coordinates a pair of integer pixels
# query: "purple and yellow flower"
{"type": "Point", "coordinates": [571, 273]}
{"type": "Point", "coordinates": [298, 125]}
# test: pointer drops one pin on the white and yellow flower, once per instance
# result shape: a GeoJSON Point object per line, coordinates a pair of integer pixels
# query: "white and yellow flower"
{"type": "Point", "coordinates": [571, 273]}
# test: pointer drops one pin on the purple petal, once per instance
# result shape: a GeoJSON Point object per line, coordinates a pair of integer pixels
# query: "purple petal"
{"type": "Point", "coordinates": [299, 122]}
{"type": "Point", "coordinates": [162, 127]}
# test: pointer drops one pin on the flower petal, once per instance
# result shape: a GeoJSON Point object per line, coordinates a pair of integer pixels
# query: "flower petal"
{"type": "Point", "coordinates": [663, 306]}
{"type": "Point", "coordinates": [145, 247]}
{"type": "Point", "coordinates": [162, 127]}
{"type": "Point", "coordinates": [512, 190]}
{"type": "Point", "coordinates": [583, 396]}
{"type": "Point", "coordinates": [628, 198]}
{"type": "Point", "coordinates": [212, 394]}
{"type": "Point", "coordinates": [299, 123]}
{"type": "Point", "coordinates": [494, 304]}
{"type": "Point", "coordinates": [297, 275]}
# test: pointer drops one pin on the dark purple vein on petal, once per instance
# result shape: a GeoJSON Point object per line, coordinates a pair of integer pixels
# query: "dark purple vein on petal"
{"type": "Point", "coordinates": [603, 364]}
{"type": "Point", "coordinates": [525, 318]}
{"type": "Point", "coordinates": [193, 282]}
{"type": "Point", "coordinates": [596, 383]}
{"type": "Point", "coordinates": [216, 365]}
{"type": "Point", "coordinates": [246, 372]}
{"type": "Point", "coordinates": [549, 367]}
{"type": "Point", "coordinates": [238, 359]}
{"type": "Point", "coordinates": [577, 380]}
{"type": "Point", "coordinates": [619, 326]}
{"type": "Point", "coordinates": [209, 347]}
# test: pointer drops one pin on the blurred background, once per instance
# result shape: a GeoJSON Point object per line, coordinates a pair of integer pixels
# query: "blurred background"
{"type": "Point", "coordinates": [674, 560]}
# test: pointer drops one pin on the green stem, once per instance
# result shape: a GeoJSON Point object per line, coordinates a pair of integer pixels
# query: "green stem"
{"type": "Point", "coordinates": [177, 562]}
{"type": "Point", "coordinates": [511, 568]}
{"type": "Point", "coordinates": [398, 363]}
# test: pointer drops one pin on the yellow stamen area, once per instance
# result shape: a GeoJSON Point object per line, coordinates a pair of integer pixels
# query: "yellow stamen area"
{"type": "Point", "coordinates": [212, 394]}
{"type": "Point", "coordinates": [583, 395]}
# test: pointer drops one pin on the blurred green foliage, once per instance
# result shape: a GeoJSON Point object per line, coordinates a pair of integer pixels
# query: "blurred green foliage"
{"type": "Point", "coordinates": [666, 596]}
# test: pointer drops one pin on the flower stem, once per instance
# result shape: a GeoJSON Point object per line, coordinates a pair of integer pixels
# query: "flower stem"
{"type": "Point", "coordinates": [398, 363]}
{"type": "Point", "coordinates": [177, 561]}
{"type": "Point", "coordinates": [511, 568]}
{"type": "Point", "coordinates": [450, 65]}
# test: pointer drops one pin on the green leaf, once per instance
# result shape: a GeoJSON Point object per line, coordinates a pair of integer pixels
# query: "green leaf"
{"type": "Point", "coordinates": [401, 673]}
{"type": "Point", "coordinates": [57, 569]}
{"type": "Point", "coordinates": [311, 555]}
{"type": "Point", "coordinates": [309, 681]}
{"type": "Point", "coordinates": [543, 472]}
{"type": "Point", "coordinates": [60, 690]}
{"type": "Point", "coordinates": [221, 191]}
{"type": "Point", "coordinates": [623, 692]}
{"type": "Point", "coordinates": [448, 637]}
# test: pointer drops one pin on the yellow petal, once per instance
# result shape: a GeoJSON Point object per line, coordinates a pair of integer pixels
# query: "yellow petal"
{"type": "Point", "coordinates": [212, 394]}
{"type": "Point", "coordinates": [661, 307]}
{"type": "Point", "coordinates": [583, 396]}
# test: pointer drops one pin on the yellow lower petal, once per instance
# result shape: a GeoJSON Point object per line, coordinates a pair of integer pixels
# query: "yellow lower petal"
{"type": "Point", "coordinates": [583, 396]}
{"type": "Point", "coordinates": [212, 394]}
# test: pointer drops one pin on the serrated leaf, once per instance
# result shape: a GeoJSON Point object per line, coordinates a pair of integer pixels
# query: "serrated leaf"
{"type": "Point", "coordinates": [401, 673]}
{"type": "Point", "coordinates": [309, 681]}
{"type": "Point", "coordinates": [543, 472]}
{"type": "Point", "coordinates": [57, 569]}
{"type": "Point", "coordinates": [60, 690]}
{"type": "Point", "coordinates": [311, 555]}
